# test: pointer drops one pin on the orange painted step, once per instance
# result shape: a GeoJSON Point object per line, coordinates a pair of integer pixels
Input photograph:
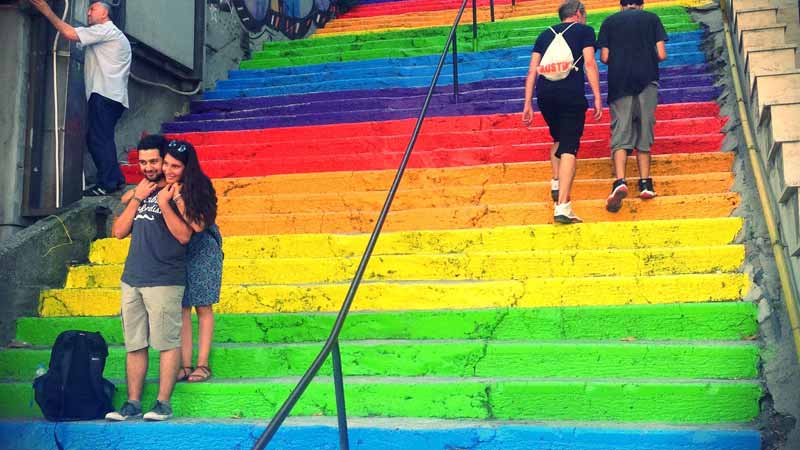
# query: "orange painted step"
{"type": "Point", "coordinates": [380, 180]}
{"type": "Point", "coordinates": [447, 197]}
{"type": "Point", "coordinates": [363, 221]}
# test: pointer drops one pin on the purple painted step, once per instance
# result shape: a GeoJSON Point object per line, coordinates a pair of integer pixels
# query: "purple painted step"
{"type": "Point", "coordinates": [381, 109]}
{"type": "Point", "coordinates": [512, 89]}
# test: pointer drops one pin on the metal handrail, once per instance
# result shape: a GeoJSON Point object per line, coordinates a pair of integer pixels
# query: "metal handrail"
{"type": "Point", "coordinates": [332, 343]}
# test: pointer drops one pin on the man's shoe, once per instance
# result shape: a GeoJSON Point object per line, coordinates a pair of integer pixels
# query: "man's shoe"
{"type": "Point", "coordinates": [563, 214]}
{"type": "Point", "coordinates": [162, 411]}
{"type": "Point", "coordinates": [646, 190]}
{"type": "Point", "coordinates": [619, 190]}
{"type": "Point", "coordinates": [127, 411]}
{"type": "Point", "coordinates": [554, 190]}
{"type": "Point", "coordinates": [99, 191]}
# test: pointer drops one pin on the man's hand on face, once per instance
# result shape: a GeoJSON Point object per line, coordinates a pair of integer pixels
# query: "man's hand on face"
{"type": "Point", "coordinates": [144, 189]}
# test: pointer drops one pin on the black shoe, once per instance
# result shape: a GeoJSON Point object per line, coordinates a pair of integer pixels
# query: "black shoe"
{"type": "Point", "coordinates": [99, 191]}
{"type": "Point", "coordinates": [619, 190]}
{"type": "Point", "coordinates": [646, 190]}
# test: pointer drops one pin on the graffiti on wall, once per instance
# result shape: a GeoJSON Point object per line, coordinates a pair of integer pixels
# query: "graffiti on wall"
{"type": "Point", "coordinates": [283, 16]}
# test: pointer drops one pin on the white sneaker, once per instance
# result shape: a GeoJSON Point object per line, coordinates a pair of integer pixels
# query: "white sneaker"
{"type": "Point", "coordinates": [127, 411]}
{"type": "Point", "coordinates": [563, 214]}
{"type": "Point", "coordinates": [161, 411]}
{"type": "Point", "coordinates": [554, 190]}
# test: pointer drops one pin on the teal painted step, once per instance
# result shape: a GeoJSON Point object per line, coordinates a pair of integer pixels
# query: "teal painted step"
{"type": "Point", "coordinates": [365, 435]}
{"type": "Point", "coordinates": [688, 360]}
{"type": "Point", "coordinates": [701, 321]}
{"type": "Point", "coordinates": [630, 401]}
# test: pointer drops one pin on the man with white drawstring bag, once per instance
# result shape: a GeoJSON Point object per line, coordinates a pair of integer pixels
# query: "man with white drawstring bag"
{"type": "Point", "coordinates": [107, 68]}
{"type": "Point", "coordinates": [562, 59]}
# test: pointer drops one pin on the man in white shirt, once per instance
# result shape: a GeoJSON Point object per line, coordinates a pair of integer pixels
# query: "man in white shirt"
{"type": "Point", "coordinates": [107, 67]}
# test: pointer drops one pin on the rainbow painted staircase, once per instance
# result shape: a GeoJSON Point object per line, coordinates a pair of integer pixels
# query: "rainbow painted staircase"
{"type": "Point", "coordinates": [479, 324]}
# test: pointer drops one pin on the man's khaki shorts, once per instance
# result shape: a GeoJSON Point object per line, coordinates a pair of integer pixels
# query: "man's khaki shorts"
{"type": "Point", "coordinates": [151, 317]}
{"type": "Point", "coordinates": [633, 119]}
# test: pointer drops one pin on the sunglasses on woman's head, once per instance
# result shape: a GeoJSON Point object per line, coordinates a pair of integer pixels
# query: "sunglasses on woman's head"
{"type": "Point", "coordinates": [175, 144]}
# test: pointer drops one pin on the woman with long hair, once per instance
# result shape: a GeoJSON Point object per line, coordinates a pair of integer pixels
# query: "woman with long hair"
{"type": "Point", "coordinates": [196, 199]}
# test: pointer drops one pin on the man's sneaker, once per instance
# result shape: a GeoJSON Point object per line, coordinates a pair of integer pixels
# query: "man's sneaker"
{"type": "Point", "coordinates": [162, 411]}
{"type": "Point", "coordinates": [100, 191]}
{"type": "Point", "coordinates": [646, 190]}
{"type": "Point", "coordinates": [563, 214]}
{"type": "Point", "coordinates": [127, 411]}
{"type": "Point", "coordinates": [619, 190]}
{"type": "Point", "coordinates": [554, 190]}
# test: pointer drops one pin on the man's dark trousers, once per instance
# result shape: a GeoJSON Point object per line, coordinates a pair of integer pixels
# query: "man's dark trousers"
{"type": "Point", "coordinates": [103, 116]}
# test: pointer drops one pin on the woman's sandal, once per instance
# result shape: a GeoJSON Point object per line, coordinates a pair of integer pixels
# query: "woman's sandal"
{"type": "Point", "coordinates": [184, 373]}
{"type": "Point", "coordinates": [199, 375]}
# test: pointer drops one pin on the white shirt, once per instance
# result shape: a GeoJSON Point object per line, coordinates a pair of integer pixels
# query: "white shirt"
{"type": "Point", "coordinates": [107, 61]}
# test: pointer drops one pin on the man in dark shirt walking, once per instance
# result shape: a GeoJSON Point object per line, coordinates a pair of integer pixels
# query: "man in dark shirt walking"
{"type": "Point", "coordinates": [153, 282]}
{"type": "Point", "coordinates": [632, 43]}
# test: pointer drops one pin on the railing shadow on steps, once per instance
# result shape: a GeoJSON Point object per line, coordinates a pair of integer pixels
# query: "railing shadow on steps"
{"type": "Point", "coordinates": [331, 346]}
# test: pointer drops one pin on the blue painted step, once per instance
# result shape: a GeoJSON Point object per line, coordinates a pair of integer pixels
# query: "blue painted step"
{"type": "Point", "coordinates": [383, 73]}
{"type": "Point", "coordinates": [437, 435]}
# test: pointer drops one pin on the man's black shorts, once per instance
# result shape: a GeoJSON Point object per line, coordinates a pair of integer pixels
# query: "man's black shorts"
{"type": "Point", "coordinates": [565, 116]}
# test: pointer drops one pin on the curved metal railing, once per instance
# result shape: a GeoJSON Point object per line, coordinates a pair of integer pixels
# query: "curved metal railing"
{"type": "Point", "coordinates": [331, 346]}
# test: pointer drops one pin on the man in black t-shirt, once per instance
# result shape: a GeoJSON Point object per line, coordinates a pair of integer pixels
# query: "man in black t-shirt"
{"type": "Point", "coordinates": [563, 102]}
{"type": "Point", "coordinates": [632, 43]}
{"type": "Point", "coordinates": [153, 282]}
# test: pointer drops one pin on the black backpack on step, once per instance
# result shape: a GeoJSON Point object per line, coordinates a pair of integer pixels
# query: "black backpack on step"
{"type": "Point", "coordinates": [73, 387]}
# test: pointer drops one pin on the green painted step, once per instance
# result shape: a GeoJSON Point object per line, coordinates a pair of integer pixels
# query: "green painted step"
{"type": "Point", "coordinates": [700, 402]}
{"type": "Point", "coordinates": [509, 26]}
{"type": "Point", "coordinates": [701, 321]}
{"type": "Point", "coordinates": [409, 43]}
{"type": "Point", "coordinates": [688, 360]}
{"type": "Point", "coordinates": [521, 34]}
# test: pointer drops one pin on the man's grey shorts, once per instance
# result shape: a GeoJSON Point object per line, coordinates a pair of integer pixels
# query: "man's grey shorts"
{"type": "Point", "coordinates": [633, 119]}
{"type": "Point", "coordinates": [151, 317]}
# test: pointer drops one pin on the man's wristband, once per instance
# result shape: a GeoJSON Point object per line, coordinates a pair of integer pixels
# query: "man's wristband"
{"type": "Point", "coordinates": [140, 200]}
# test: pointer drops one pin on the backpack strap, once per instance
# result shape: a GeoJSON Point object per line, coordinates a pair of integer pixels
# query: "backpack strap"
{"type": "Point", "coordinates": [66, 365]}
{"type": "Point", "coordinates": [96, 375]}
{"type": "Point", "coordinates": [565, 29]}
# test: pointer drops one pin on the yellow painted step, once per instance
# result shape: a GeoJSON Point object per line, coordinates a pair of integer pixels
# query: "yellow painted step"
{"type": "Point", "coordinates": [470, 266]}
{"type": "Point", "coordinates": [587, 236]}
{"type": "Point", "coordinates": [380, 180]}
{"type": "Point", "coordinates": [382, 296]}
{"type": "Point", "coordinates": [444, 196]}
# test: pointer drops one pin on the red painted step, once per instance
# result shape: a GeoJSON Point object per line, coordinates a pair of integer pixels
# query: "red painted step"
{"type": "Point", "coordinates": [248, 166]}
{"type": "Point", "coordinates": [428, 140]}
{"type": "Point", "coordinates": [406, 126]}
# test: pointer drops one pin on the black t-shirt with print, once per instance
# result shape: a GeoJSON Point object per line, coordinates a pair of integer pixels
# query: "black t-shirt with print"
{"type": "Point", "coordinates": [630, 36]}
{"type": "Point", "coordinates": [155, 257]}
{"type": "Point", "coordinates": [578, 37]}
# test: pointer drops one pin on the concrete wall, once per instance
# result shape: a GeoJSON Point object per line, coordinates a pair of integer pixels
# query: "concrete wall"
{"type": "Point", "coordinates": [13, 109]}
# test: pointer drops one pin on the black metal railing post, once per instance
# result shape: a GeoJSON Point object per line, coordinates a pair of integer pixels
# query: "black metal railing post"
{"type": "Point", "coordinates": [455, 67]}
{"type": "Point", "coordinates": [331, 344]}
{"type": "Point", "coordinates": [338, 386]}
{"type": "Point", "coordinates": [491, 9]}
{"type": "Point", "coordinates": [474, 25]}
